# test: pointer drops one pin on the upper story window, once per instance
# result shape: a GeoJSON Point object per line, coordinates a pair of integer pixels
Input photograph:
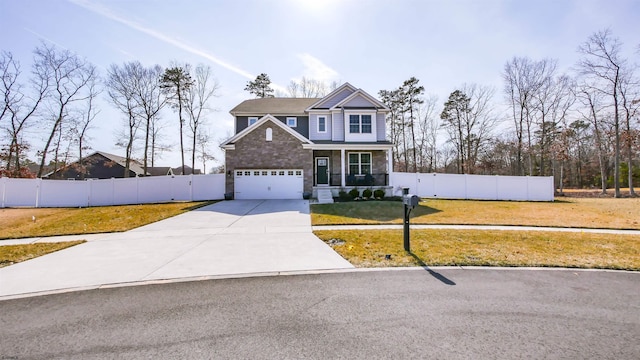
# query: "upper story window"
{"type": "Point", "coordinates": [292, 121]}
{"type": "Point", "coordinates": [253, 120]}
{"type": "Point", "coordinates": [322, 124]}
{"type": "Point", "coordinates": [360, 124]}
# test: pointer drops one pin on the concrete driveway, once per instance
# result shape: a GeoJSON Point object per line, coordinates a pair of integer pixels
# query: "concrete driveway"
{"type": "Point", "coordinates": [223, 239]}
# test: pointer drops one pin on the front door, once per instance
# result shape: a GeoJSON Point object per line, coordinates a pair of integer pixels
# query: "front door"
{"type": "Point", "coordinates": [322, 171]}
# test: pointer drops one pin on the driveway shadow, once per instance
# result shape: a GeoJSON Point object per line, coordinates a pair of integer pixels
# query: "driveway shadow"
{"type": "Point", "coordinates": [372, 210]}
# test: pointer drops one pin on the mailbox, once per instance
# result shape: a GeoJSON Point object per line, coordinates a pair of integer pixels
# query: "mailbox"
{"type": "Point", "coordinates": [410, 200]}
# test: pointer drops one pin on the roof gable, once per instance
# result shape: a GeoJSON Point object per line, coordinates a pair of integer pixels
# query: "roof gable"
{"type": "Point", "coordinates": [360, 99]}
{"type": "Point", "coordinates": [333, 97]}
{"type": "Point", "coordinates": [261, 121]}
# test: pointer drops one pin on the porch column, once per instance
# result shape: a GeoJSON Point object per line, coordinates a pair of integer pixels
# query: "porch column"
{"type": "Point", "coordinates": [389, 162]}
{"type": "Point", "coordinates": [343, 177]}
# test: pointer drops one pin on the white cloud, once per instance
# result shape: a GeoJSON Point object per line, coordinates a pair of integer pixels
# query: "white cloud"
{"type": "Point", "coordinates": [315, 69]}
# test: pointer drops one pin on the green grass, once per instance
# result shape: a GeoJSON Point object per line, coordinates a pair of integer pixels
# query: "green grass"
{"type": "Point", "coordinates": [367, 248]}
{"type": "Point", "coordinates": [569, 212]}
{"type": "Point", "coordinates": [11, 254]}
{"type": "Point", "coordinates": [20, 223]}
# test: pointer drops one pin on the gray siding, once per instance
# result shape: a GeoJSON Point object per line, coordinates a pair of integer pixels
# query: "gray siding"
{"type": "Point", "coordinates": [359, 101]}
{"type": "Point", "coordinates": [242, 122]}
{"type": "Point", "coordinates": [381, 127]}
{"type": "Point", "coordinates": [313, 128]}
{"type": "Point", "coordinates": [336, 99]}
{"type": "Point", "coordinates": [337, 133]}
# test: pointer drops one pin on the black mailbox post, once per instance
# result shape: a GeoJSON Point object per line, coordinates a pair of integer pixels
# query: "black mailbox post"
{"type": "Point", "coordinates": [409, 201]}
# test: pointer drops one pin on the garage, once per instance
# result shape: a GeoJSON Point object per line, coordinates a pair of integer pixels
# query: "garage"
{"type": "Point", "coordinates": [268, 184]}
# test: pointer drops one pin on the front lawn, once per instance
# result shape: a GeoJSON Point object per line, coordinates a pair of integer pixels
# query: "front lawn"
{"type": "Point", "coordinates": [32, 222]}
{"type": "Point", "coordinates": [567, 212]}
{"type": "Point", "coordinates": [369, 248]}
{"type": "Point", "coordinates": [11, 254]}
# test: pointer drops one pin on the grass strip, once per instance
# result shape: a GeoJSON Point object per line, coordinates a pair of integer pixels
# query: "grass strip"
{"type": "Point", "coordinates": [11, 254]}
{"type": "Point", "coordinates": [384, 248]}
{"type": "Point", "coordinates": [22, 223]}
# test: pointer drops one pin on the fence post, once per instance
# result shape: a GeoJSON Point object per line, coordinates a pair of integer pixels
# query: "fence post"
{"type": "Point", "coordinates": [38, 183]}
{"type": "Point", "coordinates": [4, 190]}
{"type": "Point", "coordinates": [191, 186]}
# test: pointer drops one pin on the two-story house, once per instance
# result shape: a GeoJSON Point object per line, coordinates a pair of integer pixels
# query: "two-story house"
{"type": "Point", "coordinates": [285, 147]}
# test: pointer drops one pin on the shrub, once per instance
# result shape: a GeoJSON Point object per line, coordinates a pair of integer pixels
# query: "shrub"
{"type": "Point", "coordinates": [354, 193]}
{"type": "Point", "coordinates": [366, 193]}
{"type": "Point", "coordinates": [378, 194]}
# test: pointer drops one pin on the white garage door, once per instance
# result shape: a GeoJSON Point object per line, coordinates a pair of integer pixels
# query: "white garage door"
{"type": "Point", "coordinates": [268, 184]}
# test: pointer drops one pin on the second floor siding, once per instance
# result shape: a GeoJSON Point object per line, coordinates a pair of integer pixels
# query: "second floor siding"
{"type": "Point", "coordinates": [315, 128]}
{"type": "Point", "coordinates": [302, 123]}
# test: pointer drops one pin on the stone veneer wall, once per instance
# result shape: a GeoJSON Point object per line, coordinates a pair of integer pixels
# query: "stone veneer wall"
{"type": "Point", "coordinates": [283, 152]}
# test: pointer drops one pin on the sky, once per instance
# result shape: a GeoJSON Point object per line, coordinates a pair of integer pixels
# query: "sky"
{"type": "Point", "coordinates": [372, 44]}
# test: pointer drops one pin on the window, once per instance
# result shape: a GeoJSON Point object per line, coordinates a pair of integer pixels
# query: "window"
{"type": "Point", "coordinates": [265, 173]}
{"type": "Point", "coordinates": [247, 173]}
{"type": "Point", "coordinates": [274, 173]}
{"type": "Point", "coordinates": [359, 163]}
{"type": "Point", "coordinates": [269, 134]}
{"type": "Point", "coordinates": [238, 173]}
{"type": "Point", "coordinates": [253, 120]}
{"type": "Point", "coordinates": [280, 173]}
{"type": "Point", "coordinates": [360, 124]}
{"type": "Point", "coordinates": [292, 121]}
{"type": "Point", "coordinates": [322, 124]}
{"type": "Point", "coordinates": [298, 172]}
{"type": "Point", "coordinates": [256, 173]}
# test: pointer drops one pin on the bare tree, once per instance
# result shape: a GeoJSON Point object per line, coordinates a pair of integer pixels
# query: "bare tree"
{"type": "Point", "coordinates": [307, 88]}
{"type": "Point", "coordinates": [428, 134]}
{"type": "Point", "coordinates": [601, 62]}
{"type": "Point", "coordinates": [523, 79]}
{"type": "Point", "coordinates": [148, 96]}
{"type": "Point", "coordinates": [68, 76]}
{"type": "Point", "coordinates": [467, 116]}
{"type": "Point", "coordinates": [592, 99]}
{"type": "Point", "coordinates": [85, 119]}
{"type": "Point", "coordinates": [18, 108]}
{"type": "Point", "coordinates": [121, 85]}
{"type": "Point", "coordinates": [630, 101]}
{"type": "Point", "coordinates": [197, 105]}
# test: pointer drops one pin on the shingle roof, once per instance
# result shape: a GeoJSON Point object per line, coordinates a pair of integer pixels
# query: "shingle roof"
{"type": "Point", "coordinates": [274, 106]}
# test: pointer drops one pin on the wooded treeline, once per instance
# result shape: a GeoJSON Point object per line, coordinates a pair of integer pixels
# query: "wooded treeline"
{"type": "Point", "coordinates": [56, 102]}
{"type": "Point", "coordinates": [582, 127]}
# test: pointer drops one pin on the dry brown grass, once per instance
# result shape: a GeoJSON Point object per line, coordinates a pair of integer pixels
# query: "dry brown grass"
{"type": "Point", "coordinates": [18, 223]}
{"type": "Point", "coordinates": [568, 212]}
{"type": "Point", "coordinates": [367, 248]}
{"type": "Point", "coordinates": [11, 254]}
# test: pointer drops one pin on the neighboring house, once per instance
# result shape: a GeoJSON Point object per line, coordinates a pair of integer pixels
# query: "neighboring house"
{"type": "Point", "coordinates": [99, 165]}
{"type": "Point", "coordinates": [284, 147]}
{"type": "Point", "coordinates": [187, 171]}
{"type": "Point", "coordinates": [102, 165]}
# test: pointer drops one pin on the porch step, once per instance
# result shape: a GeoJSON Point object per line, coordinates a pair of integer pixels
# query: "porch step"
{"type": "Point", "coordinates": [324, 196]}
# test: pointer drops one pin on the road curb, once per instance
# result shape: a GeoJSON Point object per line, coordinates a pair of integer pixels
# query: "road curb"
{"type": "Point", "coordinates": [293, 273]}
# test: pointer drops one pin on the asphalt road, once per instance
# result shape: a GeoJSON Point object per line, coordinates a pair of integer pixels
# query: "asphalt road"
{"type": "Point", "coordinates": [448, 314]}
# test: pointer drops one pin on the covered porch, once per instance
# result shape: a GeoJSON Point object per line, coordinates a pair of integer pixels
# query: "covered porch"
{"type": "Point", "coordinates": [340, 167]}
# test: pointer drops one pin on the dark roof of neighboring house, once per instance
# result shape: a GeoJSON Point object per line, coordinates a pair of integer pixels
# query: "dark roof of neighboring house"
{"type": "Point", "coordinates": [273, 106]}
{"type": "Point", "coordinates": [159, 170]}
{"type": "Point", "coordinates": [187, 170]}
{"type": "Point", "coordinates": [134, 166]}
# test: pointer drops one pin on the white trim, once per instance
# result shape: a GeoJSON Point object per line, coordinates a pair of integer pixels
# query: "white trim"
{"type": "Point", "coordinates": [318, 124]}
{"type": "Point", "coordinates": [360, 136]}
{"type": "Point", "coordinates": [351, 146]}
{"type": "Point", "coordinates": [295, 121]}
{"type": "Point", "coordinates": [360, 162]}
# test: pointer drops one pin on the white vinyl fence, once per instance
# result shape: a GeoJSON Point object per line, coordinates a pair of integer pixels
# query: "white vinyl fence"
{"type": "Point", "coordinates": [477, 187]}
{"type": "Point", "coordinates": [138, 190]}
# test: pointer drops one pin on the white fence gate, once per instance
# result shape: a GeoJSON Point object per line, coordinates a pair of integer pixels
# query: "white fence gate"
{"type": "Point", "coordinates": [476, 187]}
{"type": "Point", "coordinates": [138, 190]}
